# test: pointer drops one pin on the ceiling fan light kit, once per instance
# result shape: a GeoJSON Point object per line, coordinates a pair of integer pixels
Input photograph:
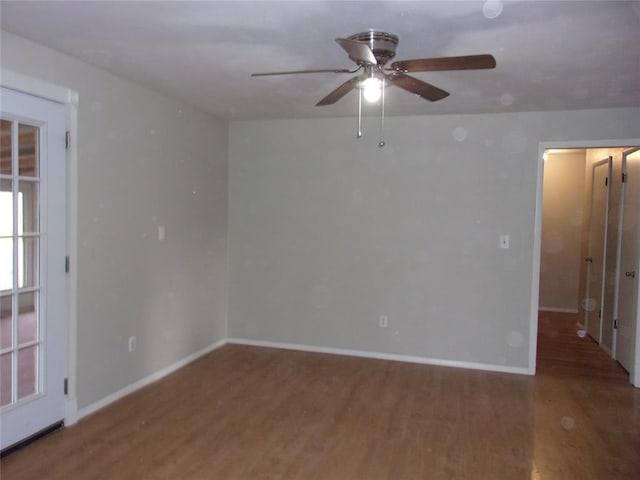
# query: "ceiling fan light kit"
{"type": "Point", "coordinates": [371, 51]}
{"type": "Point", "coordinates": [371, 89]}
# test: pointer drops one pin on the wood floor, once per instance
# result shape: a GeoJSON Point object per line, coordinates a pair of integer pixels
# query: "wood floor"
{"type": "Point", "coordinates": [562, 352]}
{"type": "Point", "coordinates": [256, 413]}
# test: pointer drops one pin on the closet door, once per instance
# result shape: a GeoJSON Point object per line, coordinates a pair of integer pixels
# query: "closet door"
{"type": "Point", "coordinates": [597, 247]}
{"type": "Point", "coordinates": [629, 255]}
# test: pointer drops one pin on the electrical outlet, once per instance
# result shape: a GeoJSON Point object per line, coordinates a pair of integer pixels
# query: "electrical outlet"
{"type": "Point", "coordinates": [132, 344]}
{"type": "Point", "coordinates": [384, 321]}
{"type": "Point", "coordinates": [504, 241]}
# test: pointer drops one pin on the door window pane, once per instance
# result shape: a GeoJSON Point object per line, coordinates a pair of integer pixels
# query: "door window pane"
{"type": "Point", "coordinates": [5, 147]}
{"type": "Point", "coordinates": [27, 262]}
{"type": "Point", "coordinates": [6, 264]}
{"type": "Point", "coordinates": [6, 208]}
{"type": "Point", "coordinates": [27, 317]}
{"type": "Point", "coordinates": [27, 207]}
{"type": "Point", "coordinates": [6, 325]}
{"type": "Point", "coordinates": [27, 371]}
{"type": "Point", "coordinates": [28, 151]}
{"type": "Point", "coordinates": [5, 379]}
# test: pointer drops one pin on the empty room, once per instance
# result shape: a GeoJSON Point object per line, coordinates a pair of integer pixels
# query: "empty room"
{"type": "Point", "coordinates": [320, 240]}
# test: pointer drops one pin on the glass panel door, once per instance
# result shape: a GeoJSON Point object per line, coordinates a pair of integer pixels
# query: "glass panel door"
{"type": "Point", "coordinates": [20, 339]}
{"type": "Point", "coordinates": [32, 277]}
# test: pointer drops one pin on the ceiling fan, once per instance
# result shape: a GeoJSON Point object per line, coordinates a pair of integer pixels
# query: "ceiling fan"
{"type": "Point", "coordinates": [371, 51]}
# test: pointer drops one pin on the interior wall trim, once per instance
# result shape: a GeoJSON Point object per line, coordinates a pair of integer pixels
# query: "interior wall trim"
{"type": "Point", "coordinates": [382, 356]}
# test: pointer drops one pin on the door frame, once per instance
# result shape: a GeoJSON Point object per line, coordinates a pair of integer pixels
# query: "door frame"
{"type": "Point", "coordinates": [537, 242]}
{"type": "Point", "coordinates": [70, 99]}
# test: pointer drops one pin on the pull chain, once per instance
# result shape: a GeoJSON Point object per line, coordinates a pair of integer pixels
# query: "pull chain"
{"type": "Point", "coordinates": [382, 143]}
{"type": "Point", "coordinates": [359, 134]}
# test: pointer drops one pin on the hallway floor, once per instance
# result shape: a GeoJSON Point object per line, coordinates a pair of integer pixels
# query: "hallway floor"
{"type": "Point", "coordinates": [563, 353]}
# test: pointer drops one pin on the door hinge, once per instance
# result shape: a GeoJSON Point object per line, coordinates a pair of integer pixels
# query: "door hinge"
{"type": "Point", "coordinates": [615, 324]}
{"type": "Point", "coordinates": [67, 140]}
{"type": "Point", "coordinates": [599, 313]}
{"type": "Point", "coordinates": [606, 181]}
{"type": "Point", "coordinates": [66, 386]}
{"type": "Point", "coordinates": [624, 177]}
{"type": "Point", "coordinates": [67, 263]}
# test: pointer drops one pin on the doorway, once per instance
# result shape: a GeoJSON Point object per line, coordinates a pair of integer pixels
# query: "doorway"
{"type": "Point", "coordinates": [32, 272]}
{"type": "Point", "coordinates": [597, 206]}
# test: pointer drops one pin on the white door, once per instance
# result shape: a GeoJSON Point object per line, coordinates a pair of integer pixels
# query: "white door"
{"type": "Point", "coordinates": [629, 254]}
{"type": "Point", "coordinates": [597, 247]}
{"type": "Point", "coordinates": [32, 265]}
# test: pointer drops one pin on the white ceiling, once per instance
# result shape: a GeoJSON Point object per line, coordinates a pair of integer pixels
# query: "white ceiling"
{"type": "Point", "coordinates": [550, 55]}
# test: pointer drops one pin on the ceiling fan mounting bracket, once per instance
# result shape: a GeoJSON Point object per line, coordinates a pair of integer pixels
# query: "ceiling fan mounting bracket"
{"type": "Point", "coordinates": [382, 44]}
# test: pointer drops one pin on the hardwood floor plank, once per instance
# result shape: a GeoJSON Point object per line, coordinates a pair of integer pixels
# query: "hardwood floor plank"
{"type": "Point", "coordinates": [257, 413]}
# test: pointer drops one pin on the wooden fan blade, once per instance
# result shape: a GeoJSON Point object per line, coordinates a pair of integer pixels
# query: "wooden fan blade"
{"type": "Point", "coordinates": [339, 92]}
{"type": "Point", "coordinates": [468, 62]}
{"type": "Point", "coordinates": [413, 85]}
{"type": "Point", "coordinates": [358, 51]}
{"type": "Point", "coordinates": [296, 72]}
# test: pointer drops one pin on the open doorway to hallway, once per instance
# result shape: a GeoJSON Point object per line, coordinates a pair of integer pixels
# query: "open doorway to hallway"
{"type": "Point", "coordinates": [583, 208]}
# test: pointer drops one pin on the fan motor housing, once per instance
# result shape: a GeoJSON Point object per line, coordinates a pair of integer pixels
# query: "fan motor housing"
{"type": "Point", "coordinates": [382, 44]}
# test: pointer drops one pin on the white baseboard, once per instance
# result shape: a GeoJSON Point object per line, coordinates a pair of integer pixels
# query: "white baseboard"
{"type": "Point", "coordinates": [559, 310]}
{"type": "Point", "coordinates": [606, 349]}
{"type": "Point", "coordinates": [89, 409]}
{"type": "Point", "coordinates": [383, 356]}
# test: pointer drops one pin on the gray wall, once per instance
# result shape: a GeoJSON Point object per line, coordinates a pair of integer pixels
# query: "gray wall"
{"type": "Point", "coordinates": [563, 217]}
{"type": "Point", "coordinates": [144, 161]}
{"type": "Point", "coordinates": [327, 232]}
